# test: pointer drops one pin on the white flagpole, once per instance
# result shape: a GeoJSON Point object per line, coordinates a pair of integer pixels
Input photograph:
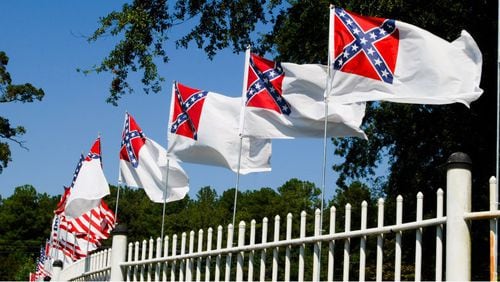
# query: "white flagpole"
{"type": "Point", "coordinates": [326, 94]}
{"type": "Point", "coordinates": [242, 121]}
{"type": "Point", "coordinates": [117, 199]}
{"type": "Point", "coordinates": [119, 176]}
{"type": "Point", "coordinates": [498, 138]}
{"type": "Point", "coordinates": [164, 200]}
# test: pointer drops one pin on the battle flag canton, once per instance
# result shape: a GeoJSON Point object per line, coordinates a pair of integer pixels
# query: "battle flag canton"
{"type": "Point", "coordinates": [77, 170]}
{"type": "Point", "coordinates": [132, 141]}
{"type": "Point", "coordinates": [365, 46]}
{"type": "Point", "coordinates": [188, 105]}
{"type": "Point", "coordinates": [95, 151]}
{"type": "Point", "coordinates": [264, 86]}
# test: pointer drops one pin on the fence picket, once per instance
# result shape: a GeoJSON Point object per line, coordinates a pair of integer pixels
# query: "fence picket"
{"type": "Point", "coordinates": [399, 221]}
{"type": "Point", "coordinates": [302, 246]}
{"type": "Point", "coordinates": [219, 257]}
{"type": "Point", "coordinates": [150, 256]}
{"type": "Point", "coordinates": [362, 244]}
{"type": "Point", "coordinates": [136, 258]}
{"type": "Point", "coordinates": [252, 252]}
{"type": "Point", "coordinates": [182, 264]}
{"type": "Point", "coordinates": [230, 234]}
{"type": "Point", "coordinates": [276, 249]}
{"type": "Point", "coordinates": [289, 218]}
{"type": "Point", "coordinates": [189, 261]}
{"type": "Point", "coordinates": [165, 255]}
{"type": "Point", "coordinates": [174, 253]}
{"type": "Point", "coordinates": [347, 242]}
{"type": "Point", "coordinates": [317, 245]}
{"type": "Point", "coordinates": [209, 258]}
{"type": "Point", "coordinates": [129, 258]}
{"type": "Point", "coordinates": [331, 245]}
{"type": "Point", "coordinates": [143, 257]}
{"type": "Point", "coordinates": [200, 249]}
{"type": "Point", "coordinates": [158, 255]}
{"type": "Point", "coordinates": [418, 239]}
{"type": "Point", "coordinates": [263, 252]}
{"type": "Point", "coordinates": [241, 257]}
{"type": "Point", "coordinates": [380, 240]}
{"type": "Point", "coordinates": [439, 237]}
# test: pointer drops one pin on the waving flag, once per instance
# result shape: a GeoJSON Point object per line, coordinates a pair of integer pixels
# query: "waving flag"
{"type": "Point", "coordinates": [96, 224]}
{"type": "Point", "coordinates": [62, 202]}
{"type": "Point", "coordinates": [144, 164]}
{"type": "Point", "coordinates": [203, 129]}
{"type": "Point", "coordinates": [384, 59]}
{"type": "Point", "coordinates": [69, 244]}
{"type": "Point", "coordinates": [89, 184]}
{"type": "Point", "coordinates": [287, 100]}
{"type": "Point", "coordinates": [41, 272]}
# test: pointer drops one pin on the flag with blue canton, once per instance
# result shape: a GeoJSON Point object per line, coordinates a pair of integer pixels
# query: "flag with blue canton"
{"type": "Point", "coordinates": [264, 85]}
{"type": "Point", "coordinates": [187, 110]}
{"type": "Point", "coordinates": [378, 59]}
{"type": "Point", "coordinates": [203, 129]}
{"type": "Point", "coordinates": [365, 46]}
{"type": "Point", "coordinates": [132, 141]}
{"type": "Point", "coordinates": [77, 170]}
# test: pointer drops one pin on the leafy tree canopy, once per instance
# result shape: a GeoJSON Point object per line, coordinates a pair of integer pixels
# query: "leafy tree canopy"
{"type": "Point", "coordinates": [9, 92]}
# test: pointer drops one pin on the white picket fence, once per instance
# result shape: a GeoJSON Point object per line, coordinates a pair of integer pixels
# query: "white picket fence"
{"type": "Point", "coordinates": [286, 256]}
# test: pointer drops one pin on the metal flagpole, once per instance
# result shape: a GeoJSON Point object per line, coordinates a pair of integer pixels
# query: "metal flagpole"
{"type": "Point", "coordinates": [117, 199]}
{"type": "Point", "coordinates": [237, 181]}
{"type": "Point", "coordinates": [325, 99]}
{"type": "Point", "coordinates": [119, 177]}
{"type": "Point", "coordinates": [165, 200]}
{"type": "Point", "coordinates": [326, 94]}
{"type": "Point", "coordinates": [242, 121]}
{"type": "Point", "coordinates": [498, 136]}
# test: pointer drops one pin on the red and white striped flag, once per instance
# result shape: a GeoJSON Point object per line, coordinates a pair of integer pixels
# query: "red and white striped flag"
{"type": "Point", "coordinates": [96, 224]}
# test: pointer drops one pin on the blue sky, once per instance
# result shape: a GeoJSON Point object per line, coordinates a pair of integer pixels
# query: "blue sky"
{"type": "Point", "coordinates": [45, 41]}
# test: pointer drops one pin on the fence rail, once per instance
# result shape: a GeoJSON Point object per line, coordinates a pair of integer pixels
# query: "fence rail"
{"type": "Point", "coordinates": [357, 252]}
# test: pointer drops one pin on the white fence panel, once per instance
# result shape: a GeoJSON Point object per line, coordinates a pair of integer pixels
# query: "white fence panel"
{"type": "Point", "coordinates": [297, 256]}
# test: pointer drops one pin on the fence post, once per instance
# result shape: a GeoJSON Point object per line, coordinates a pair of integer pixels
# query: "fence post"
{"type": "Point", "coordinates": [119, 251]}
{"type": "Point", "coordinates": [458, 202]}
{"type": "Point", "coordinates": [56, 269]}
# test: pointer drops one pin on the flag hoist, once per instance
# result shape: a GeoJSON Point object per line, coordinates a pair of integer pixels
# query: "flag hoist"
{"type": "Point", "coordinates": [144, 164]}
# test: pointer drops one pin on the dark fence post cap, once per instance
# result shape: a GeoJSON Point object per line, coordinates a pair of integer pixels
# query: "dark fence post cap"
{"type": "Point", "coordinates": [459, 160]}
{"type": "Point", "coordinates": [58, 263]}
{"type": "Point", "coordinates": [120, 229]}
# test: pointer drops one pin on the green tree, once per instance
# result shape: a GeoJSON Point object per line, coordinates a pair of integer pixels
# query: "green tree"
{"type": "Point", "coordinates": [143, 28]}
{"type": "Point", "coordinates": [10, 92]}
{"type": "Point", "coordinates": [26, 222]}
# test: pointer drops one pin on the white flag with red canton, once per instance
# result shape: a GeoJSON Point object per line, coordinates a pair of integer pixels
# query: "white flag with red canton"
{"type": "Point", "coordinates": [89, 185]}
{"type": "Point", "coordinates": [144, 164]}
{"type": "Point", "coordinates": [203, 129]}
{"type": "Point", "coordinates": [285, 100]}
{"type": "Point", "coordinates": [384, 59]}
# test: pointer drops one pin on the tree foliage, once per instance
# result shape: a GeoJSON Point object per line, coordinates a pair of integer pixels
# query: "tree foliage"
{"type": "Point", "coordinates": [10, 92]}
{"type": "Point", "coordinates": [143, 27]}
{"type": "Point", "coordinates": [26, 222]}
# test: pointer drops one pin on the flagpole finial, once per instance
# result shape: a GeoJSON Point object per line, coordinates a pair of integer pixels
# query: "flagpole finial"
{"type": "Point", "coordinates": [332, 6]}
